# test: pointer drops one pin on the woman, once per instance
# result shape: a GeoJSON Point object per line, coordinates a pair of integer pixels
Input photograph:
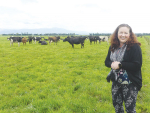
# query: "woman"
{"type": "Point", "coordinates": [125, 60]}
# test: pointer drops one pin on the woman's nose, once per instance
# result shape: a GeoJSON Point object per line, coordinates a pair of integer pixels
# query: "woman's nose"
{"type": "Point", "coordinates": [123, 34]}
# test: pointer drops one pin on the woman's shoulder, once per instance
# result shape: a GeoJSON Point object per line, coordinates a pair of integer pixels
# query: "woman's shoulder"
{"type": "Point", "coordinates": [135, 47]}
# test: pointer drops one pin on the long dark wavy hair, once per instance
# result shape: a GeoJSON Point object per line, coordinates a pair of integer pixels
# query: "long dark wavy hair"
{"type": "Point", "coordinates": [114, 41]}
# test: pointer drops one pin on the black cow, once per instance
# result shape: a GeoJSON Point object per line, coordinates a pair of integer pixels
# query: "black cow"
{"type": "Point", "coordinates": [30, 38]}
{"type": "Point", "coordinates": [94, 38]}
{"type": "Point", "coordinates": [15, 39]}
{"type": "Point", "coordinates": [43, 42]}
{"type": "Point", "coordinates": [75, 40]}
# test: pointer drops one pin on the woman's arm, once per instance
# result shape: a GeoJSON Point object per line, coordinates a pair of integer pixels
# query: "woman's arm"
{"type": "Point", "coordinates": [133, 60]}
{"type": "Point", "coordinates": [108, 62]}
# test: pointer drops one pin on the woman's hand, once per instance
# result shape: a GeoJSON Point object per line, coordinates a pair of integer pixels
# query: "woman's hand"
{"type": "Point", "coordinates": [115, 65]}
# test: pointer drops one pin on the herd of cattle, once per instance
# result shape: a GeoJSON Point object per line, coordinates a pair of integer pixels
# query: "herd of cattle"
{"type": "Point", "coordinates": [72, 40]}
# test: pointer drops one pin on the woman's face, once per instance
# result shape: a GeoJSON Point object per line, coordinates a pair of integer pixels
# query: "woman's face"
{"type": "Point", "coordinates": [123, 34]}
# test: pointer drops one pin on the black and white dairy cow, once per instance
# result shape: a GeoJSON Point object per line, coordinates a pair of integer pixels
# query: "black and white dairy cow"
{"type": "Point", "coordinates": [30, 38]}
{"type": "Point", "coordinates": [15, 39]}
{"type": "Point", "coordinates": [37, 39]}
{"type": "Point", "coordinates": [104, 39]}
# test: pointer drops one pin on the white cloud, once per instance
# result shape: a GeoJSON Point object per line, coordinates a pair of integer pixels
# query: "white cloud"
{"type": "Point", "coordinates": [84, 15]}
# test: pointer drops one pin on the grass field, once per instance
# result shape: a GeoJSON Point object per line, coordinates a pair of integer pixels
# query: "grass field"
{"type": "Point", "coordinates": [52, 78]}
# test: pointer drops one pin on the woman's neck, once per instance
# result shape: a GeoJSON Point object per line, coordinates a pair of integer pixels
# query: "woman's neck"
{"type": "Point", "coordinates": [121, 44]}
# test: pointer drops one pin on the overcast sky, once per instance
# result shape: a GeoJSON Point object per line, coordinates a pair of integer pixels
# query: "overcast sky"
{"type": "Point", "coordinates": [102, 16]}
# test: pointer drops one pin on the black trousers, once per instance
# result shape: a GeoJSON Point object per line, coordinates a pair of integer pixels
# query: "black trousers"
{"type": "Point", "coordinates": [126, 93]}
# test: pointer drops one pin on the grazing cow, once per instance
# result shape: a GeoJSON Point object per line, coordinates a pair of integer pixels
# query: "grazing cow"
{"type": "Point", "coordinates": [75, 40]}
{"type": "Point", "coordinates": [24, 40]}
{"type": "Point", "coordinates": [94, 38]}
{"type": "Point", "coordinates": [54, 39]}
{"type": "Point", "coordinates": [37, 39]}
{"type": "Point", "coordinates": [15, 39]}
{"type": "Point", "coordinates": [43, 42]}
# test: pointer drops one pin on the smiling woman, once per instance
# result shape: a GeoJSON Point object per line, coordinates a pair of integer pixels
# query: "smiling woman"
{"type": "Point", "coordinates": [123, 35]}
{"type": "Point", "coordinates": [125, 60]}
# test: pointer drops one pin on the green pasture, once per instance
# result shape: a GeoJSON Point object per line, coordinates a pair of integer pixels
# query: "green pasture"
{"type": "Point", "coordinates": [52, 78]}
